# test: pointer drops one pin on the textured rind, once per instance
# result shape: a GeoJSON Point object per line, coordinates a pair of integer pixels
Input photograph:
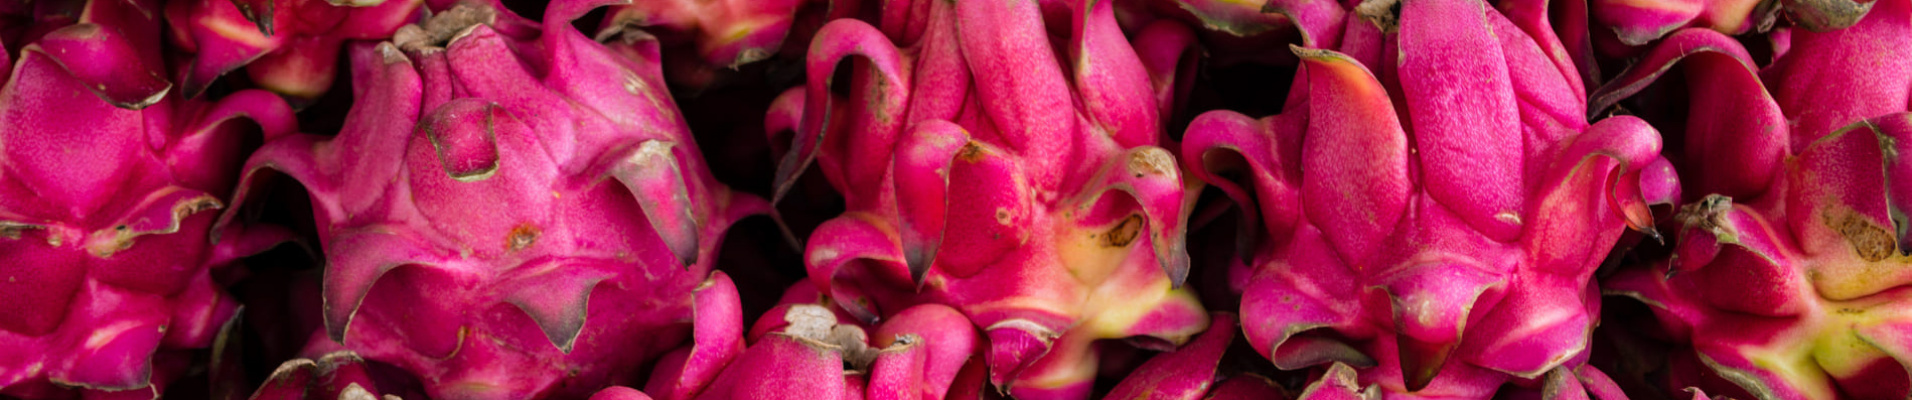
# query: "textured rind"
{"type": "Point", "coordinates": [1430, 207]}
{"type": "Point", "coordinates": [1788, 274]}
{"type": "Point", "coordinates": [109, 182]}
{"type": "Point", "coordinates": [510, 211]}
{"type": "Point", "coordinates": [976, 174]}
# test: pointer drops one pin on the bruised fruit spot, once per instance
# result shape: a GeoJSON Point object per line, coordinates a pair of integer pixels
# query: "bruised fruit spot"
{"type": "Point", "coordinates": [443, 27]}
{"type": "Point", "coordinates": [106, 242]}
{"type": "Point", "coordinates": [808, 321]}
{"type": "Point", "coordinates": [1384, 14]}
{"type": "Point", "coordinates": [1003, 216]}
{"type": "Point", "coordinates": [970, 152]}
{"type": "Point", "coordinates": [13, 230]}
{"type": "Point", "coordinates": [1869, 240]}
{"type": "Point", "coordinates": [1123, 233]}
{"type": "Point", "coordinates": [1151, 162]}
{"type": "Point", "coordinates": [878, 102]}
{"type": "Point", "coordinates": [522, 237]}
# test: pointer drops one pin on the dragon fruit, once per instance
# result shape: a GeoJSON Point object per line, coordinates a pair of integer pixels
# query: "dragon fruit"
{"type": "Point", "coordinates": [290, 47]}
{"type": "Point", "coordinates": [977, 175]}
{"type": "Point", "coordinates": [106, 183]}
{"type": "Point", "coordinates": [1788, 276]}
{"type": "Point", "coordinates": [511, 211]}
{"type": "Point", "coordinates": [1434, 222]}
{"type": "Point", "coordinates": [802, 349]}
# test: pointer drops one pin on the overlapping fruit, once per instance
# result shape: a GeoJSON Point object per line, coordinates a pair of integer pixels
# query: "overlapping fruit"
{"type": "Point", "coordinates": [968, 199]}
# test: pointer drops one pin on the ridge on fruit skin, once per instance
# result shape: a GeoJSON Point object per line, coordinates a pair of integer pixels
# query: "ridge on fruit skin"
{"type": "Point", "coordinates": [1789, 277]}
{"type": "Point", "coordinates": [1019, 183]}
{"type": "Point", "coordinates": [1431, 206]}
{"type": "Point", "coordinates": [109, 185]}
{"type": "Point", "coordinates": [513, 210]}
{"type": "Point", "coordinates": [290, 47]}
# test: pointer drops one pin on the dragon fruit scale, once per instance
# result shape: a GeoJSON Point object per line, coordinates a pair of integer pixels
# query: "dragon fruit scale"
{"type": "Point", "coordinates": [108, 185]}
{"type": "Point", "coordinates": [980, 174]}
{"type": "Point", "coordinates": [512, 211]}
{"type": "Point", "coordinates": [1433, 214]}
{"type": "Point", "coordinates": [290, 47]}
{"type": "Point", "coordinates": [1788, 278]}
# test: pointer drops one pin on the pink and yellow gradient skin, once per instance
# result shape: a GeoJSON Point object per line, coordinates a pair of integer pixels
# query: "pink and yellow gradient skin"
{"type": "Point", "coordinates": [513, 210]}
{"type": "Point", "coordinates": [1432, 205]}
{"type": "Point", "coordinates": [109, 186]}
{"type": "Point", "coordinates": [980, 174]}
{"type": "Point", "coordinates": [1789, 277]}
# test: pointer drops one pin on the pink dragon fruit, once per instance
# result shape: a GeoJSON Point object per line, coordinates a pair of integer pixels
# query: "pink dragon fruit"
{"type": "Point", "coordinates": [511, 211]}
{"type": "Point", "coordinates": [978, 176]}
{"type": "Point", "coordinates": [105, 186]}
{"type": "Point", "coordinates": [1789, 277]}
{"type": "Point", "coordinates": [1436, 221]}
{"type": "Point", "coordinates": [804, 350]}
{"type": "Point", "coordinates": [290, 47]}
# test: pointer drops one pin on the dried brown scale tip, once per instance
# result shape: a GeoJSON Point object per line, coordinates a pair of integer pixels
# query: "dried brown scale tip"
{"type": "Point", "coordinates": [443, 27]}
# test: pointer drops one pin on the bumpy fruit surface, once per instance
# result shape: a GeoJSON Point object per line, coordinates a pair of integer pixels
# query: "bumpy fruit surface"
{"type": "Point", "coordinates": [1790, 277]}
{"type": "Point", "coordinates": [978, 175]}
{"type": "Point", "coordinates": [1433, 213]}
{"type": "Point", "coordinates": [512, 210]}
{"type": "Point", "coordinates": [108, 182]}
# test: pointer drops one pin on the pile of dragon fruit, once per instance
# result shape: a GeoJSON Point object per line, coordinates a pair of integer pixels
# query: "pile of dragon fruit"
{"type": "Point", "coordinates": [956, 199]}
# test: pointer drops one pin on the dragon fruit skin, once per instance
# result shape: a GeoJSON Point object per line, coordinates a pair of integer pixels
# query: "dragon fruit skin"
{"type": "Point", "coordinates": [977, 176]}
{"type": "Point", "coordinates": [290, 47]}
{"type": "Point", "coordinates": [511, 211]}
{"type": "Point", "coordinates": [802, 349]}
{"type": "Point", "coordinates": [106, 183]}
{"type": "Point", "coordinates": [1789, 278]}
{"type": "Point", "coordinates": [1405, 229]}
